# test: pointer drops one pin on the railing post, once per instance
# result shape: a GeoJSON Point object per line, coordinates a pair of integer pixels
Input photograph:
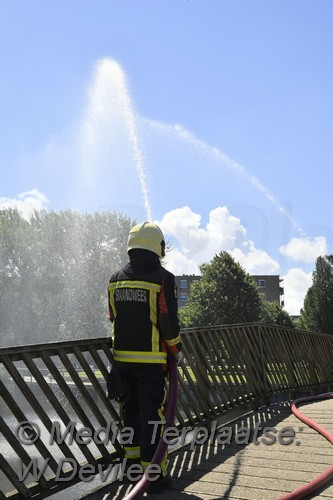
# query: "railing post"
{"type": "Point", "coordinates": [266, 395]}
{"type": "Point", "coordinates": [225, 366]}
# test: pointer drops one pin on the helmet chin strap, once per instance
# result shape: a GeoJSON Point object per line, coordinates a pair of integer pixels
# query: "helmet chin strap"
{"type": "Point", "coordinates": [162, 248]}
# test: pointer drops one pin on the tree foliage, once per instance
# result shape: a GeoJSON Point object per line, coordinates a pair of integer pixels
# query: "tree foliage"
{"type": "Point", "coordinates": [271, 313]}
{"type": "Point", "coordinates": [54, 272]}
{"type": "Point", "coordinates": [317, 311]}
{"type": "Point", "coordinates": [225, 294]}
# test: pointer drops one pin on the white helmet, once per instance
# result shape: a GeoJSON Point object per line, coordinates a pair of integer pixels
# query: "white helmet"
{"type": "Point", "coordinates": [147, 236]}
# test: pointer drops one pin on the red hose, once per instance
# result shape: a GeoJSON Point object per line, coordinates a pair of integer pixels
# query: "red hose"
{"type": "Point", "coordinates": [162, 447]}
{"type": "Point", "coordinates": [320, 480]}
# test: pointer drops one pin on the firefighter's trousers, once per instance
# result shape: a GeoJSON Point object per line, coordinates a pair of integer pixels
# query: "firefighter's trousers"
{"type": "Point", "coordinates": [144, 412]}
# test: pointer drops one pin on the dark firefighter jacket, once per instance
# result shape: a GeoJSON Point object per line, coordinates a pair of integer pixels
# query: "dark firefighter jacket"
{"type": "Point", "coordinates": [143, 308]}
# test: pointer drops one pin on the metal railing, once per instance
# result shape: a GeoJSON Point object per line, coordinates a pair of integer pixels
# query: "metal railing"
{"type": "Point", "coordinates": [56, 421]}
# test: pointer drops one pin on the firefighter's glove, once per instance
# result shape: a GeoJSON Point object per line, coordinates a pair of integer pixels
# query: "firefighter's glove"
{"type": "Point", "coordinates": [117, 386]}
{"type": "Point", "coordinates": [179, 357]}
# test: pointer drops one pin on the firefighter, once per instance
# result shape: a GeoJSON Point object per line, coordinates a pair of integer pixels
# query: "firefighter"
{"type": "Point", "coordinates": [143, 309]}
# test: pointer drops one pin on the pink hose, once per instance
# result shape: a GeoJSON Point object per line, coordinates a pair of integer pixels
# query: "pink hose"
{"type": "Point", "coordinates": [320, 480]}
{"type": "Point", "coordinates": [162, 447]}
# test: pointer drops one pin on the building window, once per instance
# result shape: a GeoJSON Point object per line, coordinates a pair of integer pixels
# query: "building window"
{"type": "Point", "coordinates": [183, 297]}
{"type": "Point", "coordinates": [262, 296]}
{"type": "Point", "coordinates": [261, 283]}
{"type": "Point", "coordinates": [183, 283]}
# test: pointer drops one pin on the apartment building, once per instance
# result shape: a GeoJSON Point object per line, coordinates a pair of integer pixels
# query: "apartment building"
{"type": "Point", "coordinates": [270, 287]}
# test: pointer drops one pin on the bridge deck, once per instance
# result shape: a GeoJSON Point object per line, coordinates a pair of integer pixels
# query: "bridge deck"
{"type": "Point", "coordinates": [236, 471]}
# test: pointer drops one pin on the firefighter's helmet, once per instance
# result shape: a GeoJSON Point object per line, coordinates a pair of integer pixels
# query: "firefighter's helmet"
{"type": "Point", "coordinates": [147, 236]}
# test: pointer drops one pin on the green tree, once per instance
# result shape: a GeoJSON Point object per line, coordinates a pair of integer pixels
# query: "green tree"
{"type": "Point", "coordinates": [271, 313]}
{"type": "Point", "coordinates": [54, 271]}
{"type": "Point", "coordinates": [317, 311]}
{"type": "Point", "coordinates": [16, 262]}
{"type": "Point", "coordinates": [225, 294]}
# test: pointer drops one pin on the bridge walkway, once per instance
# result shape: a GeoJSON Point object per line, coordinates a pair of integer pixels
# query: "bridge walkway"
{"type": "Point", "coordinates": [229, 469]}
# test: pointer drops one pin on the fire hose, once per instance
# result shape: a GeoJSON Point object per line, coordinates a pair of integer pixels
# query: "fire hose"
{"type": "Point", "coordinates": [162, 447]}
{"type": "Point", "coordinates": [297, 494]}
{"type": "Point", "coordinates": [324, 477]}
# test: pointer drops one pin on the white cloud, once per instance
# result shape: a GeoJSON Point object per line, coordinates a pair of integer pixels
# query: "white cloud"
{"type": "Point", "coordinates": [193, 245]}
{"type": "Point", "coordinates": [296, 284]}
{"type": "Point", "coordinates": [256, 261]}
{"type": "Point", "coordinates": [223, 231]}
{"type": "Point", "coordinates": [305, 249]}
{"type": "Point", "coordinates": [179, 264]}
{"type": "Point", "coordinates": [26, 203]}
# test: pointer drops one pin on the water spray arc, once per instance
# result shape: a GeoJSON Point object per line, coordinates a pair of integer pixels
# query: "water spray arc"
{"type": "Point", "coordinates": [109, 131]}
{"type": "Point", "coordinates": [127, 107]}
{"type": "Point", "coordinates": [235, 167]}
{"type": "Point", "coordinates": [130, 120]}
{"type": "Point", "coordinates": [111, 109]}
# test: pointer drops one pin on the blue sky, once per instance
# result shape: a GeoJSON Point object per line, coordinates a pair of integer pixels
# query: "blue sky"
{"type": "Point", "coordinates": [214, 118]}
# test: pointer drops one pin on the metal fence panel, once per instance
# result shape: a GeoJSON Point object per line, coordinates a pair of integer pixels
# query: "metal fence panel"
{"type": "Point", "coordinates": [65, 383]}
